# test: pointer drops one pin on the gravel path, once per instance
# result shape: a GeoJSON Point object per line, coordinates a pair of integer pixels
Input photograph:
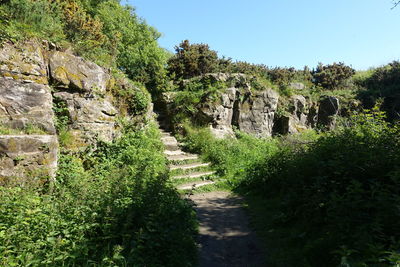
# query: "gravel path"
{"type": "Point", "coordinates": [225, 238]}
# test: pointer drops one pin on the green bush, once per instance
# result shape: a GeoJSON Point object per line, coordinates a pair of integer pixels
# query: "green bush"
{"type": "Point", "coordinates": [110, 207]}
{"type": "Point", "coordinates": [332, 76]}
{"type": "Point", "coordinates": [340, 193]}
{"type": "Point", "coordinates": [383, 85]}
{"type": "Point", "coordinates": [103, 31]}
{"type": "Point", "coordinates": [231, 157]}
{"type": "Point", "coordinates": [192, 60]}
{"type": "Point", "coordinates": [29, 19]}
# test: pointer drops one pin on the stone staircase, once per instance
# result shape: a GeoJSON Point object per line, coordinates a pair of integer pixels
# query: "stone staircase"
{"type": "Point", "coordinates": [188, 172]}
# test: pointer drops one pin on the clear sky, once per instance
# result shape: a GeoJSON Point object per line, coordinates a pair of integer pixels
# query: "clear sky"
{"type": "Point", "coordinates": [361, 33]}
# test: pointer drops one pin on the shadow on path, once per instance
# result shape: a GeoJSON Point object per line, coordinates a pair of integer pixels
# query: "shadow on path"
{"type": "Point", "coordinates": [225, 238]}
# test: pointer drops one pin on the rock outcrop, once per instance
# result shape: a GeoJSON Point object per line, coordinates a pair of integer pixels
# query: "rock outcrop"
{"type": "Point", "coordinates": [91, 118]}
{"type": "Point", "coordinates": [29, 150]}
{"type": "Point", "coordinates": [27, 159]}
{"type": "Point", "coordinates": [25, 62]}
{"type": "Point", "coordinates": [256, 113]}
{"type": "Point", "coordinates": [328, 109]}
{"type": "Point", "coordinates": [76, 73]}
{"type": "Point", "coordinates": [24, 105]}
{"type": "Point", "coordinates": [82, 86]}
{"type": "Point", "coordinates": [220, 114]}
{"type": "Point", "coordinates": [252, 113]}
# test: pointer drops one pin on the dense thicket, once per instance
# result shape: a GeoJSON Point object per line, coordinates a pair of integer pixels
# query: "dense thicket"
{"type": "Point", "coordinates": [191, 60]}
{"type": "Point", "coordinates": [110, 207]}
{"type": "Point", "coordinates": [111, 204]}
{"type": "Point", "coordinates": [322, 200]}
{"type": "Point", "coordinates": [103, 31]}
{"type": "Point", "coordinates": [382, 86]}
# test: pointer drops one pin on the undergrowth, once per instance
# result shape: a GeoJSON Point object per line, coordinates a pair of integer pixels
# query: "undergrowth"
{"type": "Point", "coordinates": [329, 199]}
{"type": "Point", "coordinates": [109, 207]}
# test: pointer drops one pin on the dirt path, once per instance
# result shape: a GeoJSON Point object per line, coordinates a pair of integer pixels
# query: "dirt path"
{"type": "Point", "coordinates": [225, 238]}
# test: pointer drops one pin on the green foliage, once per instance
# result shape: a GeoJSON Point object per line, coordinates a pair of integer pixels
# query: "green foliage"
{"type": "Point", "coordinates": [383, 83]}
{"type": "Point", "coordinates": [320, 200]}
{"type": "Point", "coordinates": [103, 31]}
{"type": "Point", "coordinates": [192, 60]}
{"type": "Point", "coordinates": [61, 118]}
{"type": "Point", "coordinates": [109, 207]}
{"type": "Point", "coordinates": [332, 76]}
{"type": "Point", "coordinates": [133, 44]}
{"type": "Point", "coordinates": [340, 194]}
{"type": "Point", "coordinates": [28, 19]}
{"type": "Point", "coordinates": [230, 157]}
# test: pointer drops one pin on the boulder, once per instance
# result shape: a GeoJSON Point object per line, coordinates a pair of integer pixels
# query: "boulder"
{"type": "Point", "coordinates": [219, 114]}
{"type": "Point", "coordinates": [27, 159]}
{"type": "Point", "coordinates": [297, 86]}
{"type": "Point", "coordinates": [328, 109]}
{"type": "Point", "coordinates": [26, 104]}
{"type": "Point", "coordinates": [256, 113]}
{"type": "Point", "coordinates": [91, 118]}
{"type": "Point", "coordinates": [297, 120]}
{"type": "Point", "coordinates": [23, 62]}
{"type": "Point", "coordinates": [76, 73]}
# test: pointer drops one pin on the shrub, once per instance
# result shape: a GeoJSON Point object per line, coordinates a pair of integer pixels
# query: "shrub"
{"type": "Point", "coordinates": [192, 60]}
{"type": "Point", "coordinates": [383, 83]}
{"type": "Point", "coordinates": [340, 193]}
{"type": "Point", "coordinates": [110, 207]}
{"type": "Point", "coordinates": [332, 76]}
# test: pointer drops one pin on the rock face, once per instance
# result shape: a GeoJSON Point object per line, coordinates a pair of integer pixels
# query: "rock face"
{"type": "Point", "coordinates": [26, 108]}
{"type": "Point", "coordinates": [26, 104]}
{"type": "Point", "coordinates": [297, 86]}
{"type": "Point", "coordinates": [297, 119]}
{"type": "Point", "coordinates": [76, 73]}
{"type": "Point", "coordinates": [220, 115]}
{"type": "Point", "coordinates": [91, 118]}
{"type": "Point", "coordinates": [328, 109]}
{"type": "Point", "coordinates": [250, 113]}
{"type": "Point", "coordinates": [26, 158]}
{"type": "Point", "coordinates": [25, 62]}
{"type": "Point", "coordinates": [256, 113]}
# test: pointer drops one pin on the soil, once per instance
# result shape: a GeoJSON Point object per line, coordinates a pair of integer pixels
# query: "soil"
{"type": "Point", "coordinates": [225, 238]}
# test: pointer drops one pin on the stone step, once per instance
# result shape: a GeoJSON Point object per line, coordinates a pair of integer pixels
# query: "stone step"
{"type": "Point", "coordinates": [172, 146]}
{"type": "Point", "coordinates": [188, 166]}
{"type": "Point", "coordinates": [193, 175]}
{"type": "Point", "coordinates": [182, 157]}
{"type": "Point", "coordinates": [168, 139]}
{"type": "Point", "coordinates": [174, 152]}
{"type": "Point", "coordinates": [194, 185]}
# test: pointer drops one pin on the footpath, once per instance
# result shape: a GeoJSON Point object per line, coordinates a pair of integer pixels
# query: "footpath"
{"type": "Point", "coordinates": [225, 238]}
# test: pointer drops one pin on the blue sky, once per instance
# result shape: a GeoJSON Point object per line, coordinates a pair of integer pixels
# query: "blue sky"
{"type": "Point", "coordinates": [361, 33]}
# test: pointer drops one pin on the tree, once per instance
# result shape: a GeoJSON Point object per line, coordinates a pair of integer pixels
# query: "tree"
{"type": "Point", "coordinates": [192, 60]}
{"type": "Point", "coordinates": [332, 76]}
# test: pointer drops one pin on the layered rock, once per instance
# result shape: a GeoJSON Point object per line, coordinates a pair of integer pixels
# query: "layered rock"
{"type": "Point", "coordinates": [23, 105]}
{"type": "Point", "coordinates": [76, 73]}
{"type": "Point", "coordinates": [27, 159]}
{"type": "Point", "coordinates": [220, 114]}
{"type": "Point", "coordinates": [327, 112]}
{"type": "Point", "coordinates": [256, 113]}
{"type": "Point", "coordinates": [26, 108]}
{"type": "Point", "coordinates": [25, 62]}
{"type": "Point", "coordinates": [91, 118]}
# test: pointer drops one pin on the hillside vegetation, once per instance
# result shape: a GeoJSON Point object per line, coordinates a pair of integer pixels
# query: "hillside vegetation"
{"type": "Point", "coordinates": [317, 198]}
{"type": "Point", "coordinates": [110, 204]}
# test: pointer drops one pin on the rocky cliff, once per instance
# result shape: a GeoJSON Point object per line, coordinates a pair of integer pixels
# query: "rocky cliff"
{"type": "Point", "coordinates": [38, 83]}
{"type": "Point", "coordinates": [261, 112]}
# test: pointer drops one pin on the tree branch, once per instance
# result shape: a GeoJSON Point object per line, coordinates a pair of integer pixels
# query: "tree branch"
{"type": "Point", "coordinates": [395, 4]}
